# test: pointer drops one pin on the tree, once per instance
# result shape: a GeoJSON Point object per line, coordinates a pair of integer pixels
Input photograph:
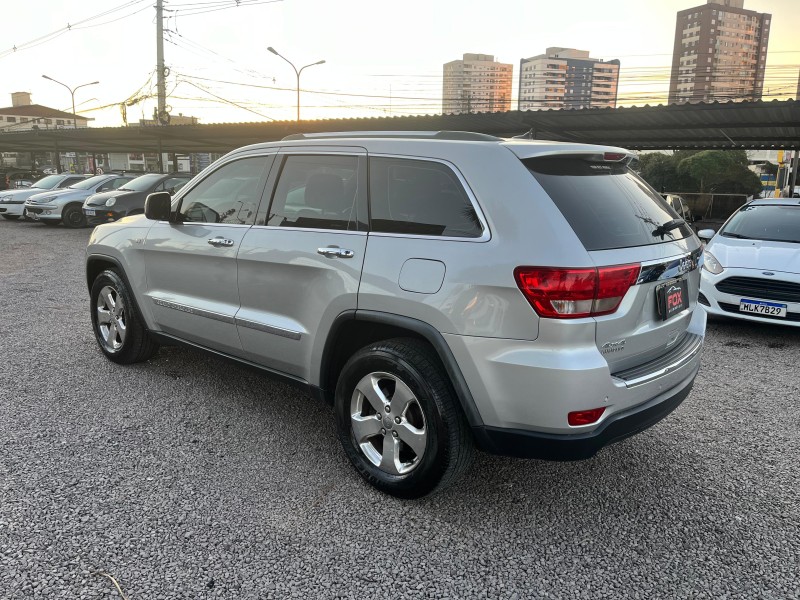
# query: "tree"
{"type": "Point", "coordinates": [720, 171]}
{"type": "Point", "coordinates": [660, 171]}
{"type": "Point", "coordinates": [706, 171]}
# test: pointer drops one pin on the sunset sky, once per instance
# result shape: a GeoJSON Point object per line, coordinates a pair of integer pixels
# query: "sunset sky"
{"type": "Point", "coordinates": [382, 58]}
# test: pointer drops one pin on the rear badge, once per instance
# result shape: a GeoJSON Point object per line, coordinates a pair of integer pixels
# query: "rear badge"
{"type": "Point", "coordinates": [767, 273]}
{"type": "Point", "coordinates": [610, 347]}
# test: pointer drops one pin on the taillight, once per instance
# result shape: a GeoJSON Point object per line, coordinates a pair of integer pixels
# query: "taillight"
{"type": "Point", "coordinates": [559, 293]}
{"type": "Point", "coordinates": [614, 156]}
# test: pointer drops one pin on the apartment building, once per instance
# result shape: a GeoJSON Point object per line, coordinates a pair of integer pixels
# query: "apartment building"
{"type": "Point", "coordinates": [23, 115]}
{"type": "Point", "coordinates": [719, 54]}
{"type": "Point", "coordinates": [476, 83]}
{"type": "Point", "coordinates": [567, 78]}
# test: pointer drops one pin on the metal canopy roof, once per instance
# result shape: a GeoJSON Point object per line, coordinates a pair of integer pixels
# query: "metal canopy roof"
{"type": "Point", "coordinates": [751, 125]}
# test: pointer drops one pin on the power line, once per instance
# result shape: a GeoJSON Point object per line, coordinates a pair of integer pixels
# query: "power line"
{"type": "Point", "coordinates": [68, 27]}
{"type": "Point", "coordinates": [227, 6]}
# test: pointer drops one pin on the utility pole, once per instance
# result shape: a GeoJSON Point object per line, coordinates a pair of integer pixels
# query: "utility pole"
{"type": "Point", "coordinates": [162, 88]}
{"type": "Point", "coordinates": [162, 118]}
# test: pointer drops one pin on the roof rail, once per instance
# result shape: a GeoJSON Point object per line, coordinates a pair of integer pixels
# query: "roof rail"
{"type": "Point", "coordinates": [463, 136]}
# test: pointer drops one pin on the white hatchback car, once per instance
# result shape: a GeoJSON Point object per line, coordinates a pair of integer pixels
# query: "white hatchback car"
{"type": "Point", "coordinates": [751, 266]}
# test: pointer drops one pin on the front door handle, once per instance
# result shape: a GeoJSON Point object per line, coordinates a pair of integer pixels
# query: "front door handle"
{"type": "Point", "coordinates": [220, 242]}
{"type": "Point", "coordinates": [334, 252]}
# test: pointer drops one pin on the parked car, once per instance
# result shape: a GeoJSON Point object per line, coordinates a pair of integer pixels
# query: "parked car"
{"type": "Point", "coordinates": [791, 192]}
{"type": "Point", "coordinates": [12, 201]}
{"type": "Point", "coordinates": [751, 267]}
{"type": "Point", "coordinates": [680, 206]}
{"type": "Point", "coordinates": [51, 208]}
{"type": "Point", "coordinates": [443, 290]}
{"type": "Point", "coordinates": [9, 177]}
{"type": "Point", "coordinates": [129, 200]}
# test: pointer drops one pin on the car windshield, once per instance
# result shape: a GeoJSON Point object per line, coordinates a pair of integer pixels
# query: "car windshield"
{"type": "Point", "coordinates": [767, 222]}
{"type": "Point", "coordinates": [143, 183]}
{"type": "Point", "coordinates": [88, 184]}
{"type": "Point", "coordinates": [48, 183]}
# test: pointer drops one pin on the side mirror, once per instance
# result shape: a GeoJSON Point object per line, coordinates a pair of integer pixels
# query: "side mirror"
{"type": "Point", "coordinates": [706, 234]}
{"type": "Point", "coordinates": [157, 206]}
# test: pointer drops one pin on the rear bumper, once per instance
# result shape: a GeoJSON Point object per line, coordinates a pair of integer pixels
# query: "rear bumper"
{"type": "Point", "coordinates": [547, 446]}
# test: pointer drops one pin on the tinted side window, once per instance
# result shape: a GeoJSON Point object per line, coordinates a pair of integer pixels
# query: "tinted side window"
{"type": "Point", "coordinates": [317, 192]}
{"type": "Point", "coordinates": [71, 180]}
{"type": "Point", "coordinates": [173, 184]}
{"type": "Point", "coordinates": [113, 184]}
{"type": "Point", "coordinates": [229, 195]}
{"type": "Point", "coordinates": [607, 205]}
{"type": "Point", "coordinates": [419, 197]}
{"type": "Point", "coordinates": [119, 182]}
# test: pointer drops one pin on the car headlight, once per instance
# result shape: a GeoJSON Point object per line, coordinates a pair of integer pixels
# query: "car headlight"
{"type": "Point", "coordinates": [5, 198]}
{"type": "Point", "coordinates": [111, 202]}
{"type": "Point", "coordinates": [45, 199]}
{"type": "Point", "coordinates": [711, 264]}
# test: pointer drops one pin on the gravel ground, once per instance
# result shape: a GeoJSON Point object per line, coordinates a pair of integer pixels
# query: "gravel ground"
{"type": "Point", "coordinates": [188, 477]}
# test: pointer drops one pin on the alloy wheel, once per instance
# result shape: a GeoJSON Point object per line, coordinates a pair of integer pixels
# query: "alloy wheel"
{"type": "Point", "coordinates": [388, 423]}
{"type": "Point", "coordinates": [111, 317]}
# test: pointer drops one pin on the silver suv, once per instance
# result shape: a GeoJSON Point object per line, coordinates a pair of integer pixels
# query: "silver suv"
{"type": "Point", "coordinates": [443, 290]}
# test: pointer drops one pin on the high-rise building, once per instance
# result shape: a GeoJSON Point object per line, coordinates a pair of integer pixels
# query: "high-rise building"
{"type": "Point", "coordinates": [719, 54]}
{"type": "Point", "coordinates": [567, 78]}
{"type": "Point", "coordinates": [476, 83]}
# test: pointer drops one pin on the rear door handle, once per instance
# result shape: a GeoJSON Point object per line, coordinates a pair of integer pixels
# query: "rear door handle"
{"type": "Point", "coordinates": [220, 242]}
{"type": "Point", "coordinates": [333, 252]}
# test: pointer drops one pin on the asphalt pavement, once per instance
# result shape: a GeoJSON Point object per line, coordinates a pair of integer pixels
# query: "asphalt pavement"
{"type": "Point", "coordinates": [189, 477]}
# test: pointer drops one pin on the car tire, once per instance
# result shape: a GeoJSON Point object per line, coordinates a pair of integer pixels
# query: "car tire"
{"type": "Point", "coordinates": [50, 222]}
{"type": "Point", "coordinates": [73, 217]}
{"type": "Point", "coordinates": [409, 402]}
{"type": "Point", "coordinates": [10, 217]}
{"type": "Point", "coordinates": [116, 321]}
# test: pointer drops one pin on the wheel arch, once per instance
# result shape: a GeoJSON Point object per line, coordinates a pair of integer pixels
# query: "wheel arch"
{"type": "Point", "coordinates": [97, 263]}
{"type": "Point", "coordinates": [354, 329]}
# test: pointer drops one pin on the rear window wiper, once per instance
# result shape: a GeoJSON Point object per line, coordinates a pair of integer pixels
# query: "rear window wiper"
{"type": "Point", "coordinates": [738, 236]}
{"type": "Point", "coordinates": [665, 228]}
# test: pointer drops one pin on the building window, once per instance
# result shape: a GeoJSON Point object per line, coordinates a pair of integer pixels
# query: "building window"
{"type": "Point", "coordinates": [12, 119]}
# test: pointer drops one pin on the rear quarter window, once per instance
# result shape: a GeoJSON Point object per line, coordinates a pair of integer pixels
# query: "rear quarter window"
{"type": "Point", "coordinates": [606, 204]}
{"type": "Point", "coordinates": [419, 197]}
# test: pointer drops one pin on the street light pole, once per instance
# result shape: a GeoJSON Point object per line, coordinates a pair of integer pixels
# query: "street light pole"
{"type": "Point", "coordinates": [296, 72]}
{"type": "Point", "coordinates": [72, 93]}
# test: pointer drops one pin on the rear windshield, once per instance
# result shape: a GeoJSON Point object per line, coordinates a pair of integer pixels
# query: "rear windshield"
{"type": "Point", "coordinates": [774, 223]}
{"type": "Point", "coordinates": [607, 205]}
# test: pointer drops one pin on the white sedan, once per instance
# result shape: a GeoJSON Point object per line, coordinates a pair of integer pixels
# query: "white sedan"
{"type": "Point", "coordinates": [751, 267]}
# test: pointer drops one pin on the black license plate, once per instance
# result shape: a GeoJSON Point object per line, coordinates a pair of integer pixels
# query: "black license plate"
{"type": "Point", "coordinates": [672, 297]}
